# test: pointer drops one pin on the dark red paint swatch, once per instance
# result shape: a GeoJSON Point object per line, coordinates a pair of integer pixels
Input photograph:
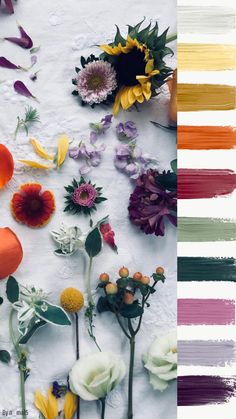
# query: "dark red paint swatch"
{"type": "Point", "coordinates": [197, 390]}
{"type": "Point", "coordinates": [205, 183]}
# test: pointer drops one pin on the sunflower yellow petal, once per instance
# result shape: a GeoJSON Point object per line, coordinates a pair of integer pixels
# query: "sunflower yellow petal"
{"type": "Point", "coordinates": [116, 105]}
{"type": "Point", "coordinates": [149, 66]}
{"type": "Point", "coordinates": [40, 150]}
{"type": "Point", "coordinates": [69, 405]}
{"type": "Point", "coordinates": [137, 90]}
{"type": "Point", "coordinates": [140, 99]}
{"type": "Point", "coordinates": [52, 405]}
{"type": "Point", "coordinates": [131, 96]}
{"type": "Point", "coordinates": [41, 404]}
{"type": "Point", "coordinates": [124, 98]}
{"type": "Point", "coordinates": [36, 165]}
{"type": "Point", "coordinates": [112, 50]}
{"type": "Point", "coordinates": [63, 147]}
{"type": "Point", "coordinates": [154, 72]}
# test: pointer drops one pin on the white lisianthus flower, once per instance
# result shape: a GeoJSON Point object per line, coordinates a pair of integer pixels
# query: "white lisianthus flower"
{"type": "Point", "coordinates": [70, 239]}
{"type": "Point", "coordinates": [161, 361]}
{"type": "Point", "coordinates": [93, 376]}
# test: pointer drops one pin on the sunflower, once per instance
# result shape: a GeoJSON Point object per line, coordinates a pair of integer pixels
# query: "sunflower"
{"type": "Point", "coordinates": [139, 65]}
{"type": "Point", "coordinates": [32, 206]}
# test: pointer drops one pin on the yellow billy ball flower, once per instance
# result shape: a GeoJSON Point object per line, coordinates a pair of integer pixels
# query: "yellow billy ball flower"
{"type": "Point", "coordinates": [72, 300]}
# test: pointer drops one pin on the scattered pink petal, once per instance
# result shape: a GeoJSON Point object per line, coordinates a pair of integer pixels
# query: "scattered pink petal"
{"type": "Point", "coordinates": [9, 6]}
{"type": "Point", "coordinates": [4, 62]}
{"type": "Point", "coordinates": [24, 41]}
{"type": "Point", "coordinates": [20, 88]}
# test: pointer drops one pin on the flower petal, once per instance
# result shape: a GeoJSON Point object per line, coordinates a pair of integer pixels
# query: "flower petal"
{"type": "Point", "coordinates": [40, 150]}
{"type": "Point", "coordinates": [69, 405]}
{"type": "Point", "coordinates": [6, 165]}
{"type": "Point", "coordinates": [41, 403]}
{"type": "Point", "coordinates": [52, 405]}
{"type": "Point", "coordinates": [36, 165]}
{"type": "Point", "coordinates": [63, 147]}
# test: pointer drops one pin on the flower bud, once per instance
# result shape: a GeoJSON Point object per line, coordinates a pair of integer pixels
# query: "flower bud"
{"type": "Point", "coordinates": [128, 298]}
{"type": "Point", "coordinates": [145, 280]}
{"type": "Point", "coordinates": [137, 276]}
{"type": "Point", "coordinates": [123, 272]}
{"type": "Point", "coordinates": [160, 270]}
{"type": "Point", "coordinates": [104, 277]}
{"type": "Point", "coordinates": [111, 288]}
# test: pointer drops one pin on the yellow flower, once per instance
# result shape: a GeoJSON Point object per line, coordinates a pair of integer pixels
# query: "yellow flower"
{"type": "Point", "coordinates": [134, 69]}
{"type": "Point", "coordinates": [63, 147]}
{"type": "Point", "coordinates": [48, 406]}
{"type": "Point", "coordinates": [72, 300]}
{"type": "Point", "coordinates": [70, 405]}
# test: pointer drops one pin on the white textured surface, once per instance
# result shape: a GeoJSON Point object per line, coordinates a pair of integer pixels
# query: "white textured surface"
{"type": "Point", "coordinates": [65, 30]}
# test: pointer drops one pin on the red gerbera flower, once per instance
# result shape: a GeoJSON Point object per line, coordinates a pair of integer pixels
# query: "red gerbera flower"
{"type": "Point", "coordinates": [32, 206]}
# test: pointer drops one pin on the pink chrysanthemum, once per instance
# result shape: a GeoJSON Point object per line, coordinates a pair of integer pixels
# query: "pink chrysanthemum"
{"type": "Point", "coordinates": [96, 81]}
{"type": "Point", "coordinates": [84, 195]}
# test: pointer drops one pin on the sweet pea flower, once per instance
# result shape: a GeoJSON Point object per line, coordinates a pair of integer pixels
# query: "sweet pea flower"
{"type": "Point", "coordinates": [90, 152]}
{"type": "Point", "coordinates": [93, 376]}
{"type": "Point", "coordinates": [161, 361]}
{"type": "Point", "coordinates": [102, 126]}
{"type": "Point", "coordinates": [126, 131]}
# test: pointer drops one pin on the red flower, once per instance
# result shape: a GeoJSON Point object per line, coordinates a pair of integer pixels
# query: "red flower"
{"type": "Point", "coordinates": [108, 235]}
{"type": "Point", "coordinates": [31, 206]}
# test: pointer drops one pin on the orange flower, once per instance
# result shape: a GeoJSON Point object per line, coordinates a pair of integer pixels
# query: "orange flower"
{"type": "Point", "coordinates": [11, 252]}
{"type": "Point", "coordinates": [32, 206]}
{"type": "Point", "coordinates": [6, 165]}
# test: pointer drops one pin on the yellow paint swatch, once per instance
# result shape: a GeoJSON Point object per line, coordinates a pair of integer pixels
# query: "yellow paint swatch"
{"type": "Point", "coordinates": [206, 97]}
{"type": "Point", "coordinates": [206, 57]}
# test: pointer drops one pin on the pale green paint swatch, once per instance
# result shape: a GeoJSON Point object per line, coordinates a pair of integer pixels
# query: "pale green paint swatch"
{"type": "Point", "coordinates": [196, 229]}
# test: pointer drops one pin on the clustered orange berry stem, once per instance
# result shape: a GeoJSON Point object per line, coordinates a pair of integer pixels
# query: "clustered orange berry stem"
{"type": "Point", "coordinates": [120, 299]}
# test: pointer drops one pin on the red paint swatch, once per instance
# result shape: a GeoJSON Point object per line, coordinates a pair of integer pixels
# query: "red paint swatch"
{"type": "Point", "coordinates": [205, 183]}
{"type": "Point", "coordinates": [194, 311]}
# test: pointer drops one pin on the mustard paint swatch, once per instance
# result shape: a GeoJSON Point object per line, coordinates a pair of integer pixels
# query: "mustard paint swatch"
{"type": "Point", "coordinates": [206, 97]}
{"type": "Point", "coordinates": [206, 57]}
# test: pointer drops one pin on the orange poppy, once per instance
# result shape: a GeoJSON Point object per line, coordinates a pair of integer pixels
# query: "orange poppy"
{"type": "Point", "coordinates": [11, 252]}
{"type": "Point", "coordinates": [6, 165]}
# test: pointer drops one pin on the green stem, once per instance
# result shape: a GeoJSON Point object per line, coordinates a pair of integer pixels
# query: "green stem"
{"type": "Point", "coordinates": [22, 393]}
{"type": "Point", "coordinates": [77, 357]}
{"type": "Point", "coordinates": [131, 373]}
{"type": "Point", "coordinates": [103, 403]}
{"type": "Point", "coordinates": [89, 292]}
{"type": "Point", "coordinates": [171, 38]}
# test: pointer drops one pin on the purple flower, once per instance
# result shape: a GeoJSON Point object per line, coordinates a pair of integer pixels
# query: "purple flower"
{"type": "Point", "coordinates": [85, 195]}
{"type": "Point", "coordinates": [126, 131]}
{"type": "Point", "coordinates": [131, 160]}
{"type": "Point", "coordinates": [151, 204]}
{"type": "Point", "coordinates": [90, 152]}
{"type": "Point", "coordinates": [24, 41]}
{"type": "Point", "coordinates": [96, 81]}
{"type": "Point", "coordinates": [102, 126]}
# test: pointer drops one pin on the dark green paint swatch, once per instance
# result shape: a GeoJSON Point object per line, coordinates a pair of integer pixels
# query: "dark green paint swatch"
{"type": "Point", "coordinates": [206, 269]}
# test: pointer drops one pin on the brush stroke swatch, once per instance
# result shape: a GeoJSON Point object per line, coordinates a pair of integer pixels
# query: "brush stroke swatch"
{"type": "Point", "coordinates": [206, 269]}
{"type": "Point", "coordinates": [205, 19]}
{"type": "Point", "coordinates": [202, 229]}
{"type": "Point", "coordinates": [206, 353]}
{"type": "Point", "coordinates": [196, 390]}
{"type": "Point", "coordinates": [206, 97]}
{"type": "Point", "coordinates": [206, 137]}
{"type": "Point", "coordinates": [205, 183]}
{"type": "Point", "coordinates": [207, 311]}
{"type": "Point", "coordinates": [206, 57]}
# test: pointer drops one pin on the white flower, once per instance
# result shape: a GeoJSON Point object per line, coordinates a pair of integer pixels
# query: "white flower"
{"type": "Point", "coordinates": [92, 377]}
{"type": "Point", "coordinates": [70, 239]}
{"type": "Point", "coordinates": [25, 306]}
{"type": "Point", "coordinates": [161, 361]}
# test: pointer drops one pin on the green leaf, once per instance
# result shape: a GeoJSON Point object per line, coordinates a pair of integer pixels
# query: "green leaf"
{"type": "Point", "coordinates": [93, 243]}
{"type": "Point", "coordinates": [131, 311]}
{"type": "Point", "coordinates": [158, 277]}
{"type": "Point", "coordinates": [12, 290]}
{"type": "Point", "coordinates": [102, 305]}
{"type": "Point", "coordinates": [52, 313]}
{"type": "Point", "coordinates": [34, 325]}
{"type": "Point", "coordinates": [119, 38]}
{"type": "Point", "coordinates": [5, 357]}
{"type": "Point", "coordinates": [34, 50]}
{"type": "Point", "coordinates": [173, 165]}
{"type": "Point", "coordinates": [1, 300]}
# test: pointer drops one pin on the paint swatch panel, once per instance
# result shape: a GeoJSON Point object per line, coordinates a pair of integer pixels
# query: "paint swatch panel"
{"type": "Point", "coordinates": [206, 269]}
{"type": "Point", "coordinates": [206, 137]}
{"type": "Point", "coordinates": [202, 229]}
{"type": "Point", "coordinates": [206, 57]}
{"type": "Point", "coordinates": [207, 311]}
{"type": "Point", "coordinates": [207, 353]}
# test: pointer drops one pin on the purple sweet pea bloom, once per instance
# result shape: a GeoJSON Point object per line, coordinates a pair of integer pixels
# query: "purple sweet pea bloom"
{"type": "Point", "coordinates": [102, 126]}
{"type": "Point", "coordinates": [91, 152]}
{"type": "Point", "coordinates": [126, 131]}
{"type": "Point", "coordinates": [131, 160]}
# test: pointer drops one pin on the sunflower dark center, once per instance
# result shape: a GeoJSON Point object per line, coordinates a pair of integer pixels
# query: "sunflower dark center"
{"type": "Point", "coordinates": [129, 66]}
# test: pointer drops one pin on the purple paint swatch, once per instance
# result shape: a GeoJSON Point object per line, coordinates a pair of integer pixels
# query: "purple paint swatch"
{"type": "Point", "coordinates": [206, 311]}
{"type": "Point", "coordinates": [208, 353]}
{"type": "Point", "coordinates": [196, 390]}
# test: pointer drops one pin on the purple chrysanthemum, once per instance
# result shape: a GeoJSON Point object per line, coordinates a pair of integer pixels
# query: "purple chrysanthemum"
{"type": "Point", "coordinates": [96, 81]}
{"type": "Point", "coordinates": [150, 204]}
{"type": "Point", "coordinates": [84, 195]}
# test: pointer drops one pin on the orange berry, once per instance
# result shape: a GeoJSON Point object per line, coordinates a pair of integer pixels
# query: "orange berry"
{"type": "Point", "coordinates": [124, 272]}
{"type": "Point", "coordinates": [111, 288]}
{"type": "Point", "coordinates": [104, 277]}
{"type": "Point", "coordinates": [145, 280]}
{"type": "Point", "coordinates": [160, 270]}
{"type": "Point", "coordinates": [137, 276]}
{"type": "Point", "coordinates": [128, 298]}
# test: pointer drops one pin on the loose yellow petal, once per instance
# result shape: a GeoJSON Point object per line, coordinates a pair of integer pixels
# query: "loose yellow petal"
{"type": "Point", "coordinates": [63, 147]}
{"type": "Point", "coordinates": [52, 405]}
{"type": "Point", "coordinates": [36, 165]}
{"type": "Point", "coordinates": [40, 150]}
{"type": "Point", "coordinates": [69, 405]}
{"type": "Point", "coordinates": [41, 403]}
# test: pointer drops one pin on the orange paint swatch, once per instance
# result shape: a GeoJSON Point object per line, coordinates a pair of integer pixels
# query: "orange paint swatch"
{"type": "Point", "coordinates": [206, 97]}
{"type": "Point", "coordinates": [206, 137]}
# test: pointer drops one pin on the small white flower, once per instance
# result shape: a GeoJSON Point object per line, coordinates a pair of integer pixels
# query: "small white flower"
{"type": "Point", "coordinates": [161, 361]}
{"type": "Point", "coordinates": [25, 311]}
{"type": "Point", "coordinates": [70, 239]}
{"type": "Point", "coordinates": [93, 376]}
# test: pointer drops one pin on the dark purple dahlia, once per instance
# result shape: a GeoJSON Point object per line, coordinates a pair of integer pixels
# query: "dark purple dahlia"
{"type": "Point", "coordinates": [151, 204]}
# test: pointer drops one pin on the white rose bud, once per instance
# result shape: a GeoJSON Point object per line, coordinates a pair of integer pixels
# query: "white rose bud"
{"type": "Point", "coordinates": [93, 376]}
{"type": "Point", "coordinates": [161, 361]}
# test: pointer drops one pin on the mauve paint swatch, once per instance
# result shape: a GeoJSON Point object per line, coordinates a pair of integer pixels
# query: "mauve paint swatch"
{"type": "Point", "coordinates": [206, 311]}
{"type": "Point", "coordinates": [206, 269]}
{"type": "Point", "coordinates": [207, 353]}
{"type": "Point", "coordinates": [205, 183]}
{"type": "Point", "coordinates": [197, 390]}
